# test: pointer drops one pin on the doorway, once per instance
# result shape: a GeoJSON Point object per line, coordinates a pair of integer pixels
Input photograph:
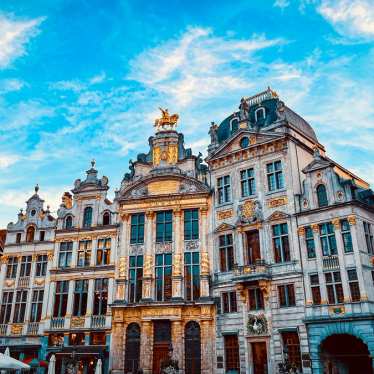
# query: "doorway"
{"type": "Point", "coordinates": [260, 358]}
{"type": "Point", "coordinates": [161, 344]}
{"type": "Point", "coordinates": [192, 348]}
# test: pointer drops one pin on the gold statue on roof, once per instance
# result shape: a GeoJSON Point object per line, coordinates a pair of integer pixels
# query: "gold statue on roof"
{"type": "Point", "coordinates": [167, 121]}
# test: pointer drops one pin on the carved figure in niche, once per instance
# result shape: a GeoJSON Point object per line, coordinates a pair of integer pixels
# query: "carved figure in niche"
{"type": "Point", "coordinates": [243, 109]}
{"type": "Point", "coordinates": [142, 191]}
{"type": "Point", "coordinates": [280, 110]}
{"type": "Point", "coordinates": [250, 212]}
{"type": "Point", "coordinates": [213, 133]}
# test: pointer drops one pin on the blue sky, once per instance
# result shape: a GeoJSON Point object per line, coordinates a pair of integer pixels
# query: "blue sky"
{"type": "Point", "coordinates": [83, 79]}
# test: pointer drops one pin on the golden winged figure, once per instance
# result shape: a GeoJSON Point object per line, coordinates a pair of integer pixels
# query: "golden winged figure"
{"type": "Point", "coordinates": [167, 121]}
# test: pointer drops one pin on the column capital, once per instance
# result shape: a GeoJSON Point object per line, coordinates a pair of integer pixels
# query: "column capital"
{"type": "Point", "coordinates": [149, 214]}
{"type": "Point", "coordinates": [301, 230]}
{"type": "Point", "coordinates": [204, 210]}
{"type": "Point", "coordinates": [125, 216]}
{"type": "Point", "coordinates": [315, 227]}
{"type": "Point", "coordinates": [352, 220]}
{"type": "Point", "coordinates": [336, 223]}
{"type": "Point", "coordinates": [177, 212]}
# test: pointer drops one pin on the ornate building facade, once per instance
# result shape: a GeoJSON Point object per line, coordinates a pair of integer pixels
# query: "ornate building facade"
{"type": "Point", "coordinates": [163, 308]}
{"type": "Point", "coordinates": [258, 261]}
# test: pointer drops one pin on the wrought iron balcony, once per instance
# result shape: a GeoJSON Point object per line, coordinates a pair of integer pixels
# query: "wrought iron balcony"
{"type": "Point", "coordinates": [330, 262]}
{"type": "Point", "coordinates": [98, 321]}
{"type": "Point", "coordinates": [259, 270]}
{"type": "Point", "coordinates": [32, 328]}
{"type": "Point", "coordinates": [57, 323]}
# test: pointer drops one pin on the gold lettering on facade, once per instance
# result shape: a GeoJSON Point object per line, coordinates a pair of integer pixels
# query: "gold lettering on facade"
{"type": "Point", "coordinates": [163, 187]}
{"type": "Point", "coordinates": [278, 201]}
{"type": "Point", "coordinates": [224, 214]}
{"type": "Point", "coordinates": [77, 322]}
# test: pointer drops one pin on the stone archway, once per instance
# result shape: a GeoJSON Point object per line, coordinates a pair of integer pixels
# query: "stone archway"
{"type": "Point", "coordinates": [345, 354]}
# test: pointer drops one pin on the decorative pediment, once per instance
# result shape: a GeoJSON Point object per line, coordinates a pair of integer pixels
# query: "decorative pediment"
{"type": "Point", "coordinates": [224, 227]}
{"type": "Point", "coordinates": [277, 216]}
{"type": "Point", "coordinates": [242, 140]}
{"type": "Point", "coordinates": [317, 164]}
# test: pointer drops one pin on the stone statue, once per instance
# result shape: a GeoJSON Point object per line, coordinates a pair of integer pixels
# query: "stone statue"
{"type": "Point", "coordinates": [213, 133]}
{"type": "Point", "coordinates": [243, 109]}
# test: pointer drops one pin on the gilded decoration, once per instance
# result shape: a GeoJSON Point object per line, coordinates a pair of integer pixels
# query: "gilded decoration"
{"type": "Point", "coordinates": [87, 236]}
{"type": "Point", "coordinates": [315, 227]}
{"type": "Point", "coordinates": [352, 220]}
{"type": "Point", "coordinates": [257, 324]}
{"type": "Point", "coordinates": [16, 329]}
{"type": "Point", "coordinates": [277, 201]}
{"type": "Point", "coordinates": [4, 259]}
{"type": "Point", "coordinates": [336, 310]}
{"type": "Point", "coordinates": [177, 264]}
{"type": "Point", "coordinates": [167, 121]}
{"type": "Point", "coordinates": [336, 223]}
{"type": "Point", "coordinates": [156, 156]}
{"type": "Point", "coordinates": [148, 259]}
{"type": "Point", "coordinates": [77, 322]}
{"type": "Point", "coordinates": [172, 154]}
{"type": "Point", "coordinates": [250, 212]}
{"type": "Point", "coordinates": [122, 267]}
{"type": "Point", "coordinates": [204, 263]}
{"type": "Point", "coordinates": [265, 288]}
{"type": "Point", "coordinates": [301, 231]}
{"type": "Point", "coordinates": [163, 187]}
{"type": "Point", "coordinates": [278, 216]}
{"type": "Point", "coordinates": [39, 281]}
{"type": "Point", "coordinates": [191, 245]}
{"type": "Point", "coordinates": [224, 214]}
{"type": "Point", "coordinates": [9, 282]}
{"type": "Point", "coordinates": [252, 139]}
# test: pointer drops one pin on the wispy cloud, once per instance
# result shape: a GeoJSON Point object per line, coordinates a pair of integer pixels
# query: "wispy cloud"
{"type": "Point", "coordinates": [14, 35]}
{"type": "Point", "coordinates": [282, 4]}
{"type": "Point", "coordinates": [353, 19]}
{"type": "Point", "coordinates": [7, 160]}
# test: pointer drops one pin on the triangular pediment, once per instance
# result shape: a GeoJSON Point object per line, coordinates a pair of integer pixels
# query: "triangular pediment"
{"type": "Point", "coordinates": [237, 142]}
{"type": "Point", "coordinates": [224, 227]}
{"type": "Point", "coordinates": [278, 215]}
{"type": "Point", "coordinates": [317, 164]}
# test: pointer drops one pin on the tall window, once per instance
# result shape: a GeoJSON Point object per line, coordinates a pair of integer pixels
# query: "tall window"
{"type": "Point", "coordinates": [137, 228]}
{"type": "Point", "coordinates": [229, 304]}
{"type": "Point", "coordinates": [87, 217]}
{"type": "Point", "coordinates": [61, 299]}
{"type": "Point", "coordinates": [224, 189]}
{"type": "Point", "coordinates": [11, 269]}
{"type": "Point", "coordinates": [354, 285]}
{"type": "Point", "coordinates": [328, 241]}
{"type": "Point", "coordinates": [275, 176]}
{"type": "Point", "coordinates": [191, 224]}
{"type": "Point", "coordinates": [232, 353]}
{"type": "Point", "coordinates": [80, 297]}
{"type": "Point", "coordinates": [25, 266]}
{"type": "Point", "coordinates": [316, 291]}
{"type": "Point", "coordinates": [309, 240]}
{"type": "Point", "coordinates": [164, 226]}
{"type": "Point", "coordinates": [41, 265]}
{"type": "Point", "coordinates": [103, 251]}
{"type": "Point", "coordinates": [30, 233]}
{"type": "Point", "coordinates": [100, 296]}
{"type": "Point", "coordinates": [256, 299]}
{"type": "Point", "coordinates": [84, 253]}
{"type": "Point", "coordinates": [292, 343]}
{"type": "Point", "coordinates": [36, 305]}
{"type": "Point", "coordinates": [226, 252]}
{"type": "Point", "coordinates": [18, 237]}
{"type": "Point", "coordinates": [334, 287]}
{"type": "Point", "coordinates": [106, 218]}
{"type": "Point", "coordinates": [163, 277]}
{"type": "Point", "coordinates": [20, 306]}
{"type": "Point", "coordinates": [135, 278]}
{"type": "Point", "coordinates": [346, 236]}
{"type": "Point", "coordinates": [259, 114]}
{"type": "Point", "coordinates": [42, 236]}
{"type": "Point", "coordinates": [286, 295]}
{"type": "Point", "coordinates": [280, 243]}
{"type": "Point", "coordinates": [247, 181]}
{"type": "Point", "coordinates": [68, 222]}
{"type": "Point", "coordinates": [192, 275]}
{"type": "Point", "coordinates": [322, 195]}
{"type": "Point", "coordinates": [64, 258]}
{"type": "Point", "coordinates": [6, 307]}
{"type": "Point", "coordinates": [369, 237]}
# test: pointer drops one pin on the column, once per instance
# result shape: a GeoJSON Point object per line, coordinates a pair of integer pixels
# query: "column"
{"type": "Point", "coordinates": [204, 257]}
{"type": "Point", "coordinates": [207, 344]}
{"type": "Point", "coordinates": [321, 277]}
{"type": "Point", "coordinates": [121, 269]}
{"type": "Point", "coordinates": [110, 301]}
{"type": "Point", "coordinates": [239, 247]}
{"type": "Point", "coordinates": [47, 309]}
{"type": "Point", "coordinates": [4, 262]}
{"type": "Point", "coordinates": [30, 290]}
{"type": "Point", "coordinates": [90, 301]}
{"type": "Point", "coordinates": [74, 255]}
{"type": "Point", "coordinates": [304, 261]}
{"type": "Point", "coordinates": [178, 256]}
{"type": "Point", "coordinates": [177, 341]}
{"type": "Point", "coordinates": [146, 347]}
{"type": "Point", "coordinates": [93, 252]}
{"type": "Point", "coordinates": [117, 347]}
{"type": "Point", "coordinates": [69, 308]}
{"type": "Point", "coordinates": [148, 257]}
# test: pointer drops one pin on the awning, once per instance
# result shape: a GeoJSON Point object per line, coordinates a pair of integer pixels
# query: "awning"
{"type": "Point", "coordinates": [34, 362]}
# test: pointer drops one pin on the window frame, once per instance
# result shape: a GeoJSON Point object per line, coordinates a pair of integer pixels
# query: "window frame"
{"type": "Point", "coordinates": [310, 243]}
{"type": "Point", "coordinates": [137, 224]}
{"type": "Point", "coordinates": [25, 266]}
{"type": "Point", "coordinates": [84, 254]}
{"type": "Point", "coordinates": [289, 295]}
{"type": "Point", "coordinates": [135, 289]}
{"type": "Point", "coordinates": [224, 189]}
{"type": "Point", "coordinates": [164, 226]}
{"type": "Point", "coordinates": [328, 239]}
{"type": "Point", "coordinates": [6, 307]}
{"type": "Point", "coordinates": [257, 295]}
{"type": "Point", "coordinates": [12, 267]}
{"type": "Point", "coordinates": [322, 198]}
{"type": "Point", "coordinates": [281, 243]}
{"type": "Point", "coordinates": [191, 220]}
{"type": "Point", "coordinates": [36, 305]}
{"type": "Point", "coordinates": [41, 265]}
{"type": "Point", "coordinates": [192, 275]}
{"type": "Point", "coordinates": [354, 285]}
{"type": "Point", "coordinates": [103, 251]}
{"type": "Point", "coordinates": [315, 289]}
{"type": "Point", "coordinates": [345, 230]}
{"type": "Point", "coordinates": [61, 298]}
{"type": "Point", "coordinates": [226, 252]}
{"type": "Point", "coordinates": [80, 298]}
{"type": "Point", "coordinates": [100, 297]}
{"type": "Point", "coordinates": [247, 182]}
{"type": "Point", "coordinates": [87, 217]}
{"type": "Point", "coordinates": [334, 288]}
{"type": "Point", "coordinates": [274, 176]}
{"type": "Point", "coordinates": [229, 302]}
{"type": "Point", "coordinates": [20, 304]}
{"type": "Point", "coordinates": [66, 254]}
{"type": "Point", "coordinates": [163, 277]}
{"type": "Point", "coordinates": [368, 237]}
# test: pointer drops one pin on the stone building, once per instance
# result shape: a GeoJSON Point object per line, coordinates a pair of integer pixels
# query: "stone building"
{"type": "Point", "coordinates": [28, 254]}
{"type": "Point", "coordinates": [2, 241]}
{"type": "Point", "coordinates": [163, 308]}
{"type": "Point", "coordinates": [78, 321]}
{"type": "Point", "coordinates": [267, 169]}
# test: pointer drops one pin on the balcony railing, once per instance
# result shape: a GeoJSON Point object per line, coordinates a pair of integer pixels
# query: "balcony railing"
{"type": "Point", "coordinates": [330, 262]}
{"type": "Point", "coordinates": [3, 329]}
{"type": "Point", "coordinates": [23, 282]}
{"type": "Point", "coordinates": [260, 268]}
{"type": "Point", "coordinates": [98, 321]}
{"type": "Point", "coordinates": [32, 328]}
{"type": "Point", "coordinates": [57, 323]}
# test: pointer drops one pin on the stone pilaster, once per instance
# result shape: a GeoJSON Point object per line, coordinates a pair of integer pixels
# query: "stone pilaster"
{"type": "Point", "coordinates": [146, 347]}
{"type": "Point", "coordinates": [207, 344]}
{"type": "Point", "coordinates": [178, 256]}
{"type": "Point", "coordinates": [204, 255]}
{"type": "Point", "coordinates": [177, 341]}
{"type": "Point", "coordinates": [117, 348]}
{"type": "Point", "coordinates": [148, 257]}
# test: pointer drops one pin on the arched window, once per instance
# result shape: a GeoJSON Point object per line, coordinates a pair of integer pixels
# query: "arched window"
{"type": "Point", "coordinates": [192, 348]}
{"type": "Point", "coordinates": [259, 114]}
{"type": "Point", "coordinates": [322, 195]}
{"type": "Point", "coordinates": [234, 125]}
{"type": "Point", "coordinates": [106, 218]}
{"type": "Point", "coordinates": [132, 351]}
{"type": "Point", "coordinates": [87, 217]}
{"type": "Point", "coordinates": [68, 222]}
{"type": "Point", "coordinates": [30, 234]}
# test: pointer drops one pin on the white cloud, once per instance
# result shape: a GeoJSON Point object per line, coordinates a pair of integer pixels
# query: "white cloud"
{"type": "Point", "coordinates": [10, 85]}
{"type": "Point", "coordinates": [98, 78]}
{"type": "Point", "coordinates": [281, 4]}
{"type": "Point", "coordinates": [7, 160]}
{"type": "Point", "coordinates": [351, 18]}
{"type": "Point", "coordinates": [14, 35]}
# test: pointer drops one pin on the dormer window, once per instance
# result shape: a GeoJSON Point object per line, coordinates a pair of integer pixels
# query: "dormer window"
{"type": "Point", "coordinates": [18, 237]}
{"type": "Point", "coordinates": [322, 195]}
{"type": "Point", "coordinates": [234, 124]}
{"type": "Point", "coordinates": [106, 218]}
{"type": "Point", "coordinates": [87, 217]}
{"type": "Point", "coordinates": [30, 234]}
{"type": "Point", "coordinates": [33, 212]}
{"type": "Point", "coordinates": [68, 222]}
{"type": "Point", "coordinates": [260, 114]}
{"type": "Point", "coordinates": [42, 236]}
